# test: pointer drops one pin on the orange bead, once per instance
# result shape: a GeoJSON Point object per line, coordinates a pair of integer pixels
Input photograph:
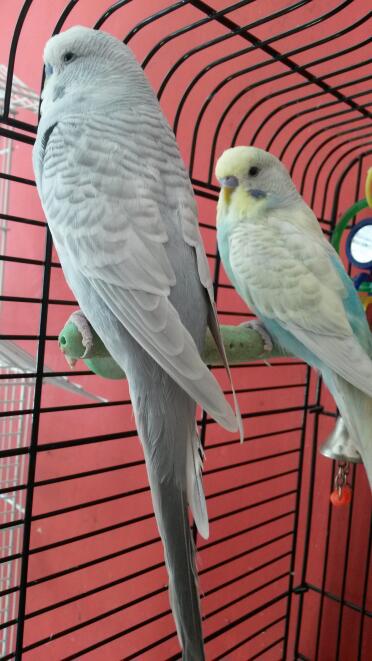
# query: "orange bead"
{"type": "Point", "coordinates": [343, 499]}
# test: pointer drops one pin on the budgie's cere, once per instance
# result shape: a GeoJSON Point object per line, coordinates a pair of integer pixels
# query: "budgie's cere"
{"type": "Point", "coordinates": [278, 259]}
{"type": "Point", "coordinates": [121, 211]}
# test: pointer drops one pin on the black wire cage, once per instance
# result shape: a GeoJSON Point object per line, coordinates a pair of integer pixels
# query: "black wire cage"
{"type": "Point", "coordinates": [284, 575]}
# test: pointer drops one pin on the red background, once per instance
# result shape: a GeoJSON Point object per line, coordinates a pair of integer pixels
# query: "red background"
{"type": "Point", "coordinates": [228, 466]}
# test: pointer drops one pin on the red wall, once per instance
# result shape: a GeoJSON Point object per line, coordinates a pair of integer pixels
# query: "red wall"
{"type": "Point", "coordinates": [23, 318]}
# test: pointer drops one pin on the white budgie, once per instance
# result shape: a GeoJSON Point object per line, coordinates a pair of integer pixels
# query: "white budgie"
{"type": "Point", "coordinates": [123, 218]}
{"type": "Point", "coordinates": [278, 259]}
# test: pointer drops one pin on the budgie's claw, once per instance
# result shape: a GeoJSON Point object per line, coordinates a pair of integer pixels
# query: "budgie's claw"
{"type": "Point", "coordinates": [85, 330]}
{"type": "Point", "coordinates": [71, 361]}
{"type": "Point", "coordinates": [258, 326]}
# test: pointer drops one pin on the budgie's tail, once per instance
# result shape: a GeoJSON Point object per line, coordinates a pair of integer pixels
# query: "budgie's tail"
{"type": "Point", "coordinates": [166, 425]}
{"type": "Point", "coordinates": [356, 408]}
{"type": "Point", "coordinates": [170, 505]}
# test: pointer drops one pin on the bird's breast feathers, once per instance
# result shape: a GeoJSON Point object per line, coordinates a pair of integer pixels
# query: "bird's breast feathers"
{"type": "Point", "coordinates": [282, 273]}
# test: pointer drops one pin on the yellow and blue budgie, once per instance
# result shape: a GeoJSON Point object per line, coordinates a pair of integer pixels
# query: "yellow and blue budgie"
{"type": "Point", "coordinates": [281, 264]}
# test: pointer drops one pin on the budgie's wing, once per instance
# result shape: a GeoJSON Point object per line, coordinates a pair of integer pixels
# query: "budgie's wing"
{"type": "Point", "coordinates": [192, 236]}
{"type": "Point", "coordinates": [295, 282]}
{"type": "Point", "coordinates": [352, 303]}
{"type": "Point", "coordinates": [104, 195]}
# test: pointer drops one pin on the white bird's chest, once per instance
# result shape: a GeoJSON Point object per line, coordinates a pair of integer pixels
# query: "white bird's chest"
{"type": "Point", "coordinates": [256, 247]}
{"type": "Point", "coordinates": [267, 260]}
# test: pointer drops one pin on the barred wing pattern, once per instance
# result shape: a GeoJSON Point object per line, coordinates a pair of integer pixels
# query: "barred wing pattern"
{"type": "Point", "coordinates": [106, 192]}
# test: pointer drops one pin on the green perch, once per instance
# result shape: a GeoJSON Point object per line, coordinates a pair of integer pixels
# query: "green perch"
{"type": "Point", "coordinates": [242, 344]}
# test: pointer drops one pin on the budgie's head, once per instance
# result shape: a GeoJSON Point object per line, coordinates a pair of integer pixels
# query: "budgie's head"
{"type": "Point", "coordinates": [82, 60]}
{"type": "Point", "coordinates": [257, 173]}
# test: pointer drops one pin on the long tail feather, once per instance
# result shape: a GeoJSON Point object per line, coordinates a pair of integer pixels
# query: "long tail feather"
{"type": "Point", "coordinates": [195, 491]}
{"type": "Point", "coordinates": [214, 327]}
{"type": "Point", "coordinates": [165, 417]}
{"type": "Point", "coordinates": [170, 505]}
{"type": "Point", "coordinates": [356, 409]}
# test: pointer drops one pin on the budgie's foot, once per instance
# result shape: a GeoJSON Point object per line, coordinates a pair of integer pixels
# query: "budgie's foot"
{"type": "Point", "coordinates": [258, 326]}
{"type": "Point", "coordinates": [85, 330]}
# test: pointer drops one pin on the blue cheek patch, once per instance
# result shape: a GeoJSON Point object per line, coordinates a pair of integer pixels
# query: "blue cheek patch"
{"type": "Point", "coordinates": [48, 70]}
{"type": "Point", "coordinates": [258, 194]}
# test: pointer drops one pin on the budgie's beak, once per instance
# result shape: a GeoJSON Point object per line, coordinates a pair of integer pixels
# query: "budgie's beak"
{"type": "Point", "coordinates": [48, 69]}
{"type": "Point", "coordinates": [229, 182]}
{"type": "Point", "coordinates": [228, 185]}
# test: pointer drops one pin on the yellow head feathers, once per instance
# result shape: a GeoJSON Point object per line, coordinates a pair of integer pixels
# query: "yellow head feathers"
{"type": "Point", "coordinates": [237, 170]}
{"type": "Point", "coordinates": [254, 175]}
{"type": "Point", "coordinates": [237, 161]}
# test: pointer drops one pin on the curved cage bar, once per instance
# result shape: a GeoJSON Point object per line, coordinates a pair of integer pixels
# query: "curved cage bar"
{"type": "Point", "coordinates": [81, 569]}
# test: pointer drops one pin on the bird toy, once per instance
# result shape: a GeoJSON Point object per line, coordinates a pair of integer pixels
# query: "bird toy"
{"type": "Point", "coordinates": [339, 445]}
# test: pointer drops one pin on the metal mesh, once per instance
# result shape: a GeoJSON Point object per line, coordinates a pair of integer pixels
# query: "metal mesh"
{"type": "Point", "coordinates": [283, 576]}
{"type": "Point", "coordinates": [16, 395]}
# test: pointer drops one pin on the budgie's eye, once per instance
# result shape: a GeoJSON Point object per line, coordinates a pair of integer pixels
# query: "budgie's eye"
{"type": "Point", "coordinates": [68, 57]}
{"type": "Point", "coordinates": [253, 171]}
